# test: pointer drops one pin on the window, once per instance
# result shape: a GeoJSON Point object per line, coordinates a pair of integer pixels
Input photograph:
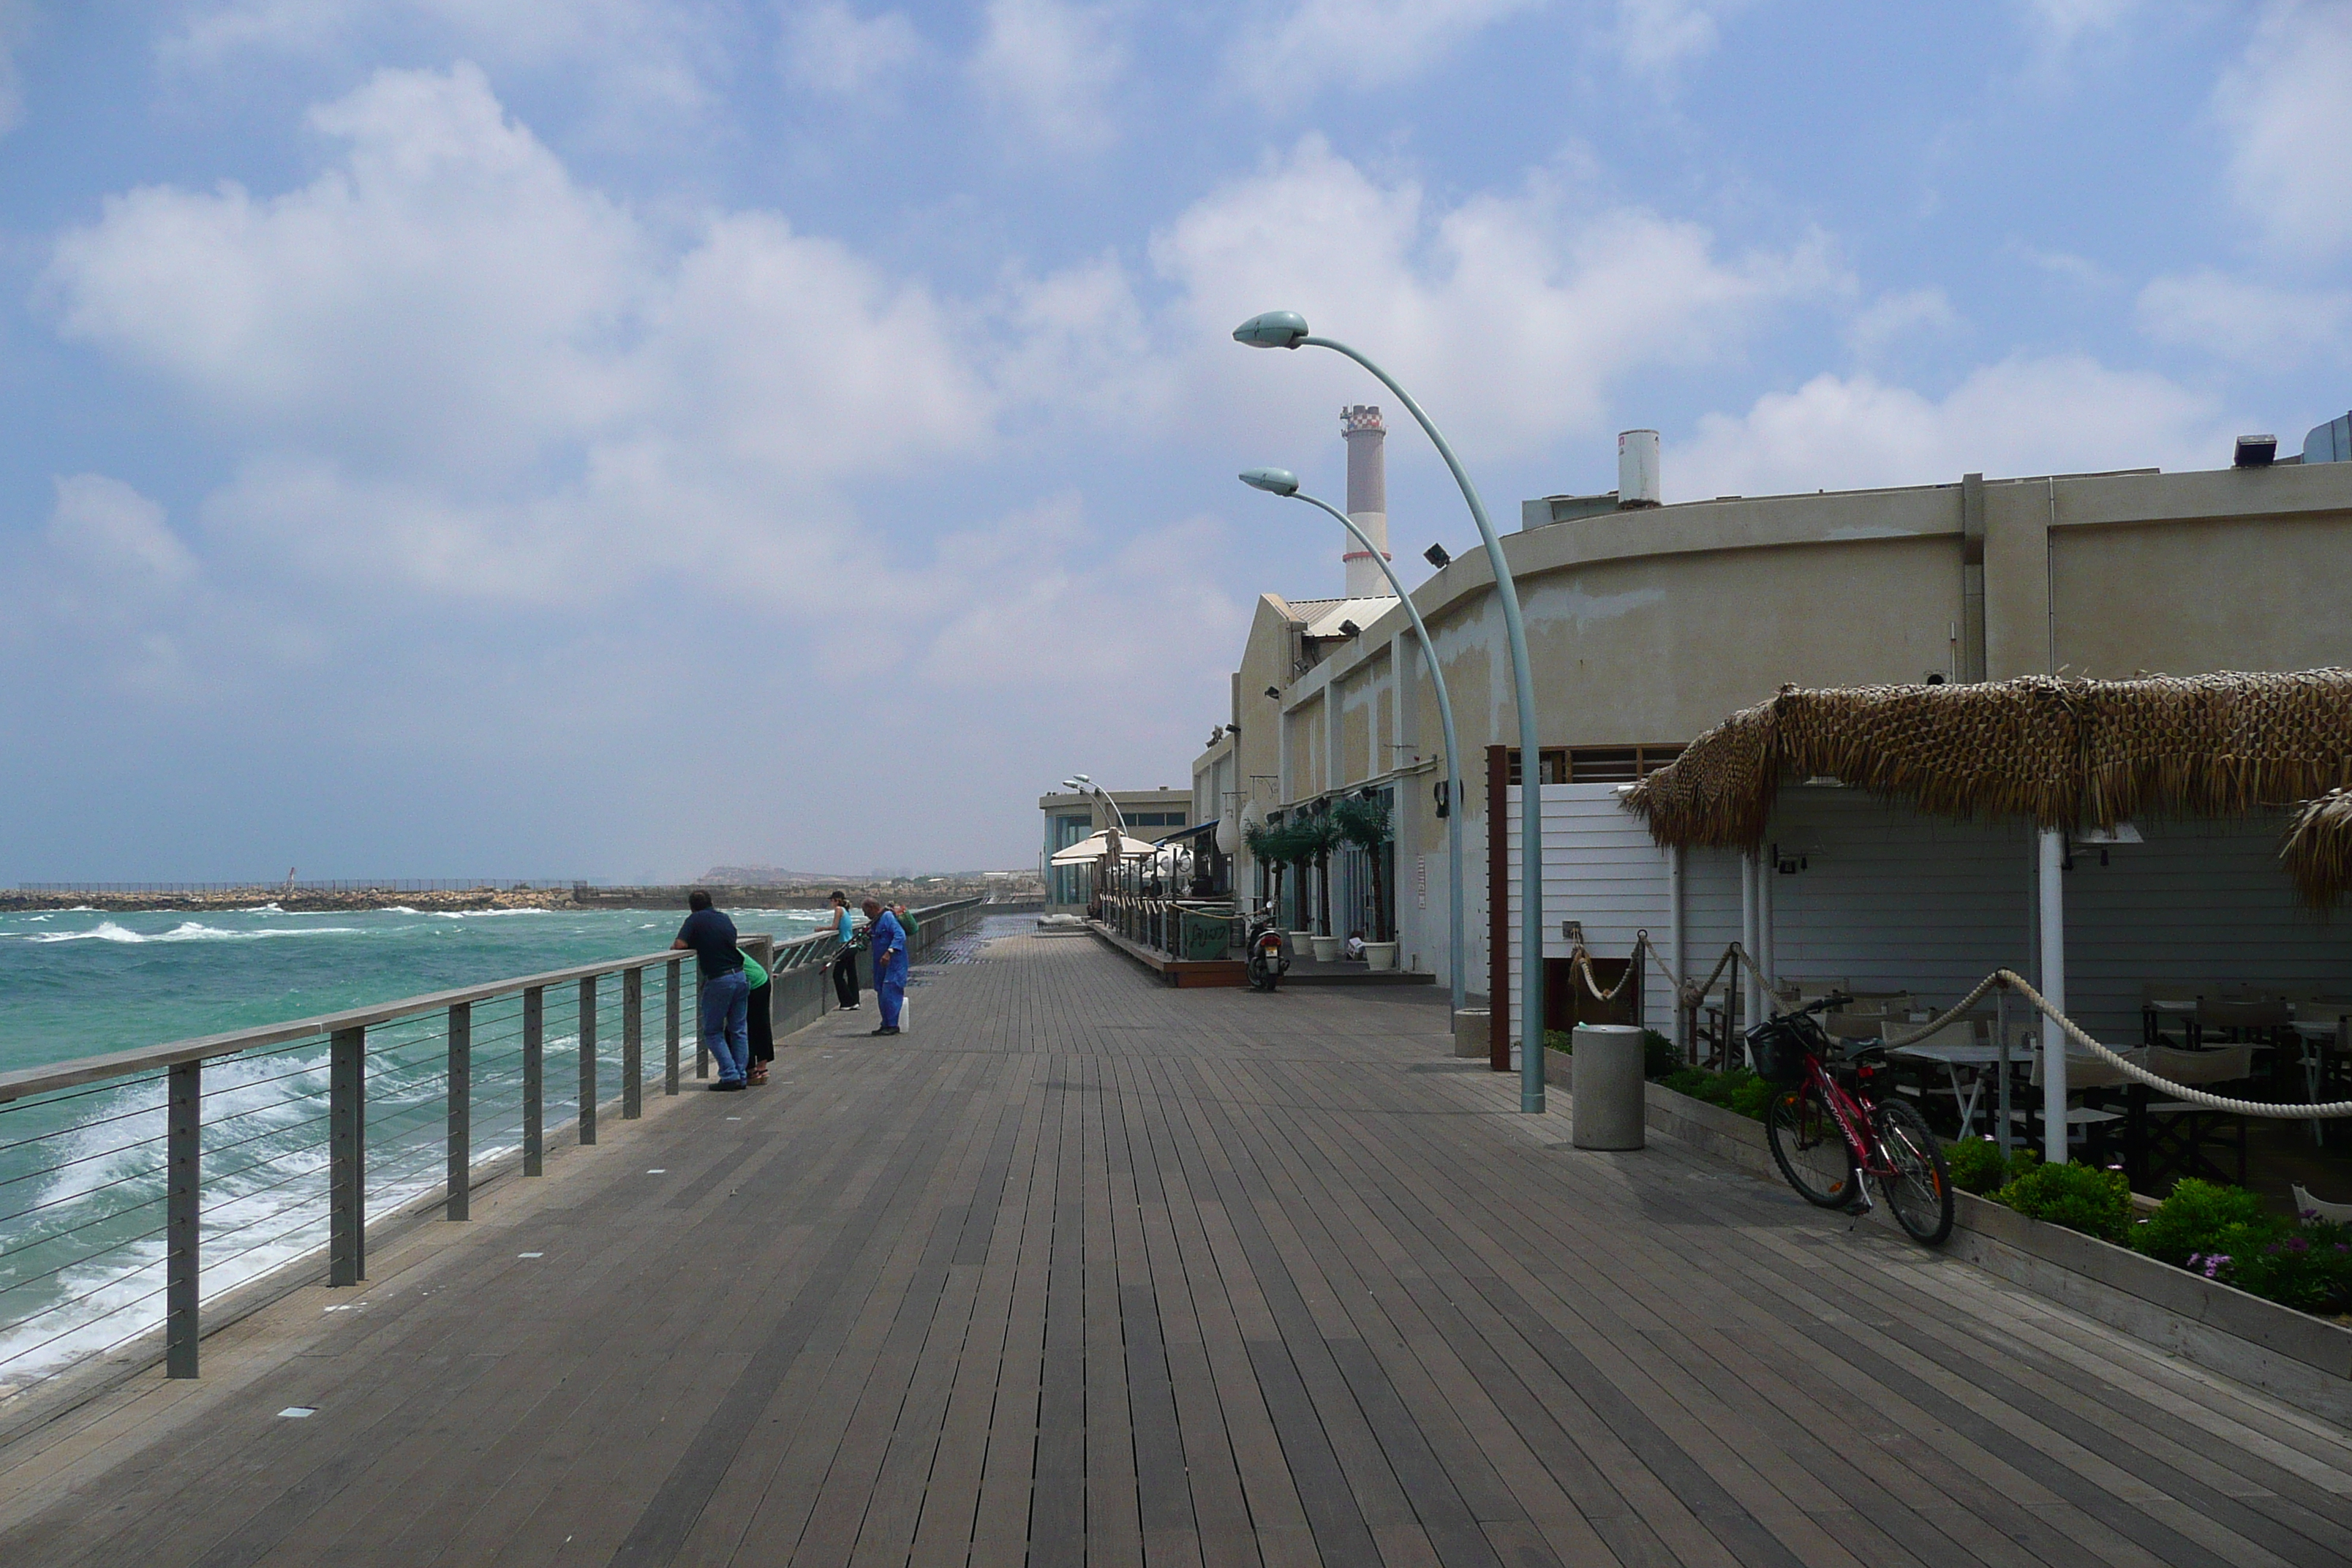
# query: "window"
{"type": "Point", "coordinates": [1599, 765]}
{"type": "Point", "coordinates": [1555, 765]}
{"type": "Point", "coordinates": [1155, 819]}
{"type": "Point", "coordinates": [1618, 764]}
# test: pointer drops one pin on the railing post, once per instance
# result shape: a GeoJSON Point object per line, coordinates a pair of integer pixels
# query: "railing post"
{"type": "Point", "coordinates": [181, 1216]}
{"type": "Point", "coordinates": [701, 1046]}
{"type": "Point", "coordinates": [347, 1165]}
{"type": "Point", "coordinates": [633, 1040]}
{"type": "Point", "coordinates": [588, 1061]}
{"type": "Point", "coordinates": [670, 1010]}
{"type": "Point", "coordinates": [461, 1112]}
{"type": "Point", "coordinates": [534, 1132]}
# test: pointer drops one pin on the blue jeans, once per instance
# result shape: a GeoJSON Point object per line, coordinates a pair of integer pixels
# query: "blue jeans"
{"type": "Point", "coordinates": [726, 1002]}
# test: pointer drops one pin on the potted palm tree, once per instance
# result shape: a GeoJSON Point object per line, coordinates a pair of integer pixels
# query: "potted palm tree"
{"type": "Point", "coordinates": [1270, 847]}
{"type": "Point", "coordinates": [1319, 835]}
{"type": "Point", "coordinates": [1365, 824]}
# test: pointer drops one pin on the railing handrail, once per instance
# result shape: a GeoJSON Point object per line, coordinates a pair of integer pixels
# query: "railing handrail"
{"type": "Point", "coordinates": [118, 1064]}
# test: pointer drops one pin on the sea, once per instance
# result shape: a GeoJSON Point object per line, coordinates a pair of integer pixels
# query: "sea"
{"type": "Point", "coordinates": [81, 1172]}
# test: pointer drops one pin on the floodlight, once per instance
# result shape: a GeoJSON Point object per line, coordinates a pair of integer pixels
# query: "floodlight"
{"type": "Point", "coordinates": [1435, 555]}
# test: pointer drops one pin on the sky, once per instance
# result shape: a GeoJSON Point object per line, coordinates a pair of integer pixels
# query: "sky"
{"type": "Point", "coordinates": [614, 437]}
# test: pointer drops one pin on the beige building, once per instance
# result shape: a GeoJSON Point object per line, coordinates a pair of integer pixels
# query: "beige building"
{"type": "Point", "coordinates": [1647, 625]}
{"type": "Point", "coordinates": [1149, 814]}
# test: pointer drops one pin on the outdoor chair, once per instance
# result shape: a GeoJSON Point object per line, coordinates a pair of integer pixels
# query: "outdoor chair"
{"type": "Point", "coordinates": [2092, 1123]}
{"type": "Point", "coordinates": [2169, 1138]}
{"type": "Point", "coordinates": [2265, 1025]}
{"type": "Point", "coordinates": [2170, 1002]}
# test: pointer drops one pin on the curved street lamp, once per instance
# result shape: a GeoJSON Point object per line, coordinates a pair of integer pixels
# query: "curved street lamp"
{"type": "Point", "coordinates": [1287, 329]}
{"type": "Point", "coordinates": [1283, 483]}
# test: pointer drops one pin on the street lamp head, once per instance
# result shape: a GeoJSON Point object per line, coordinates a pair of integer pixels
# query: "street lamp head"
{"type": "Point", "coordinates": [1272, 481]}
{"type": "Point", "coordinates": [1084, 778]}
{"type": "Point", "coordinates": [1272, 330]}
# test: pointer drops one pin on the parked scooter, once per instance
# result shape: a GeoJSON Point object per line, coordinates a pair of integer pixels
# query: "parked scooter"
{"type": "Point", "coordinates": [1269, 951]}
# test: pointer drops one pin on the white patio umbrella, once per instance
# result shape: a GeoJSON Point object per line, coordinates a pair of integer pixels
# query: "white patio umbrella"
{"type": "Point", "coordinates": [1095, 846]}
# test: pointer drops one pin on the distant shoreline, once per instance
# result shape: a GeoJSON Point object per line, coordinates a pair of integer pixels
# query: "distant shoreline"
{"type": "Point", "coordinates": [315, 900]}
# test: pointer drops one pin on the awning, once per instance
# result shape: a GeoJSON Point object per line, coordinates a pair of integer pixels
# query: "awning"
{"type": "Point", "coordinates": [1094, 846]}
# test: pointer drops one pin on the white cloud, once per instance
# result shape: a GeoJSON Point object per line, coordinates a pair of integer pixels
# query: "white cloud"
{"type": "Point", "coordinates": [2060, 23]}
{"type": "Point", "coordinates": [1281, 57]}
{"type": "Point", "coordinates": [449, 364]}
{"type": "Point", "coordinates": [830, 48]}
{"type": "Point", "coordinates": [2287, 108]}
{"type": "Point", "coordinates": [2248, 322]}
{"type": "Point", "coordinates": [1891, 319]}
{"type": "Point", "coordinates": [2064, 414]}
{"type": "Point", "coordinates": [1050, 67]}
{"type": "Point", "coordinates": [638, 54]}
{"type": "Point", "coordinates": [1511, 313]}
{"type": "Point", "coordinates": [1656, 37]}
{"type": "Point", "coordinates": [115, 534]}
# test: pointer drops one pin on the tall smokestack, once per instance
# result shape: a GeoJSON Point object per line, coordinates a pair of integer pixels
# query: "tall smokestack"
{"type": "Point", "coordinates": [1368, 498]}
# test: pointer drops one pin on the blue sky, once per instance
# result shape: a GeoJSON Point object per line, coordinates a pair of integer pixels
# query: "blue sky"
{"type": "Point", "coordinates": [607, 436]}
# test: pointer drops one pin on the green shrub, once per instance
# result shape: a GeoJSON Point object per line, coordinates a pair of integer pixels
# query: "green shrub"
{"type": "Point", "coordinates": [1738, 1090]}
{"type": "Point", "coordinates": [2308, 1268]}
{"type": "Point", "coordinates": [2080, 1197]}
{"type": "Point", "coordinates": [1977, 1165]}
{"type": "Point", "coordinates": [2201, 1219]}
{"type": "Point", "coordinates": [1561, 1040]}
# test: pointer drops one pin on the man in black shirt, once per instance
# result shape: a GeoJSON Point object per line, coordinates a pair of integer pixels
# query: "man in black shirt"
{"type": "Point", "coordinates": [726, 990]}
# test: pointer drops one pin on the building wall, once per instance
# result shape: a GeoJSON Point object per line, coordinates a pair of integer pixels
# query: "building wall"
{"type": "Point", "coordinates": [1653, 626]}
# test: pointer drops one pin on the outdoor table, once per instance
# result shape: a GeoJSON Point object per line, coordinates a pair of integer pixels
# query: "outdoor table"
{"type": "Point", "coordinates": [1981, 1061]}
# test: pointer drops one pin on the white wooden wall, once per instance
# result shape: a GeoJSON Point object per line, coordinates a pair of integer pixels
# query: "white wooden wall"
{"type": "Point", "coordinates": [1889, 898]}
{"type": "Point", "coordinates": [1602, 868]}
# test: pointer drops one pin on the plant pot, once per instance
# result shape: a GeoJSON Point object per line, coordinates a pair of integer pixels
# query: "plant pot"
{"type": "Point", "coordinates": [1381, 954]}
{"type": "Point", "coordinates": [1327, 949]}
{"type": "Point", "coordinates": [1300, 941]}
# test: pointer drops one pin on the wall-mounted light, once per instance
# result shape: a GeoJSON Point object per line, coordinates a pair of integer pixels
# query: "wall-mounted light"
{"type": "Point", "coordinates": [1273, 692]}
{"type": "Point", "coordinates": [1436, 556]}
{"type": "Point", "coordinates": [1351, 630]}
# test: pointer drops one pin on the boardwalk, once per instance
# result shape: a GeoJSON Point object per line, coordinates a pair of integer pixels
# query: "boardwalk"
{"type": "Point", "coordinates": [1088, 1270]}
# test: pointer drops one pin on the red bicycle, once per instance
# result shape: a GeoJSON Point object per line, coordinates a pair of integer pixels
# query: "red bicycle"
{"type": "Point", "coordinates": [1827, 1138]}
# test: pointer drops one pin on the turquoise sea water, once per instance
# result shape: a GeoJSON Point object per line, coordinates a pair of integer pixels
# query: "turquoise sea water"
{"type": "Point", "coordinates": [81, 1172]}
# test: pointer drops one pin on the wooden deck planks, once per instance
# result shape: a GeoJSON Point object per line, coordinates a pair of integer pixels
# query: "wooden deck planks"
{"type": "Point", "coordinates": [1092, 1270]}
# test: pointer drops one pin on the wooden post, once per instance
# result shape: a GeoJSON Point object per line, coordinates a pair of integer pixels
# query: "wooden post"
{"type": "Point", "coordinates": [461, 1112]}
{"type": "Point", "coordinates": [1499, 910]}
{"type": "Point", "coordinates": [633, 1041]}
{"type": "Point", "coordinates": [183, 1216]}
{"type": "Point", "coordinates": [347, 1157]}
{"type": "Point", "coordinates": [534, 1034]}
{"type": "Point", "coordinates": [670, 1011]}
{"type": "Point", "coordinates": [588, 1061]}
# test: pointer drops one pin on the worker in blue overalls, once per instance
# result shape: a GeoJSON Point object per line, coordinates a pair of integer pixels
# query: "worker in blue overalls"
{"type": "Point", "coordinates": [888, 940]}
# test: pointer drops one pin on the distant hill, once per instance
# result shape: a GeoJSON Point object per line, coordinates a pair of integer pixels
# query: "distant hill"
{"type": "Point", "coordinates": [770, 876]}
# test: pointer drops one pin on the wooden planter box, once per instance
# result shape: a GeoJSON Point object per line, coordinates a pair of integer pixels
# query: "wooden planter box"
{"type": "Point", "coordinates": [2302, 1360]}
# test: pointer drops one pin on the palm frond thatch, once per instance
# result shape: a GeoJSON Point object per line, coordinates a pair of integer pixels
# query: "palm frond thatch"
{"type": "Point", "coordinates": [2317, 850]}
{"type": "Point", "coordinates": [2065, 753]}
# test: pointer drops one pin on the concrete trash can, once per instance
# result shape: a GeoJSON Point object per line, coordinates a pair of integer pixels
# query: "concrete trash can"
{"type": "Point", "coordinates": [1606, 1109]}
{"type": "Point", "coordinates": [1472, 1028]}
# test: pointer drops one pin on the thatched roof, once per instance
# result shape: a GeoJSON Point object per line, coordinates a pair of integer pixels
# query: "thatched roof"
{"type": "Point", "coordinates": [2318, 849]}
{"type": "Point", "coordinates": [2065, 754]}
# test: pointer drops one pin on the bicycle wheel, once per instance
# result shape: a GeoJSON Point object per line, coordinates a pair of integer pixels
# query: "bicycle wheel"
{"type": "Point", "coordinates": [1920, 1189]}
{"type": "Point", "coordinates": [1808, 1147]}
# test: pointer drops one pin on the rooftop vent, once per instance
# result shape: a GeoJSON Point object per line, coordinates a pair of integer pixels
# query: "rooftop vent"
{"type": "Point", "coordinates": [1637, 469]}
{"type": "Point", "coordinates": [2255, 452]}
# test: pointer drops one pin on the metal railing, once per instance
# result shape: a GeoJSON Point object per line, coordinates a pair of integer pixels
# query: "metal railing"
{"type": "Point", "coordinates": [150, 1184]}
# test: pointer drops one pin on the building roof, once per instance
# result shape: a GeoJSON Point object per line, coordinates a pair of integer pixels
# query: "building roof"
{"type": "Point", "coordinates": [2066, 753]}
{"type": "Point", "coordinates": [1323, 616]}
